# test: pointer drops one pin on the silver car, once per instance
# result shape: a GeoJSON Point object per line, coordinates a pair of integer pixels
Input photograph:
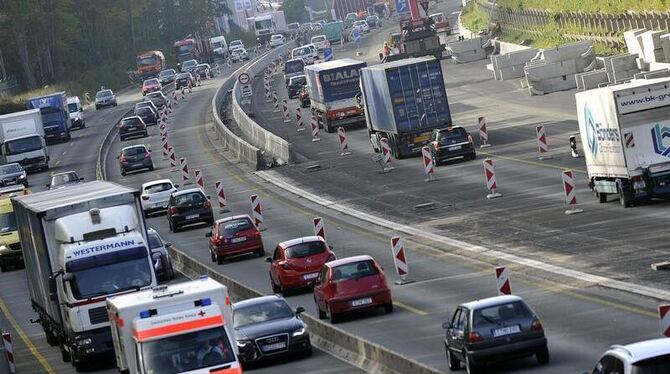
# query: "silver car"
{"type": "Point", "coordinates": [13, 174]}
{"type": "Point", "coordinates": [160, 256]}
{"type": "Point", "coordinates": [105, 98]}
{"type": "Point", "coordinates": [64, 179]}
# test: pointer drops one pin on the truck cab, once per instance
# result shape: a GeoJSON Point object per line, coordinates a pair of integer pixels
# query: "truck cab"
{"type": "Point", "coordinates": [219, 46]}
{"type": "Point", "coordinates": [10, 246]}
{"type": "Point", "coordinates": [55, 117]}
{"type": "Point", "coordinates": [22, 140]}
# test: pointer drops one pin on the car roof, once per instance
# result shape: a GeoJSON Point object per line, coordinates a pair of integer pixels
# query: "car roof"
{"type": "Point", "coordinates": [12, 164]}
{"type": "Point", "coordinates": [452, 127]}
{"type": "Point", "coordinates": [231, 218]}
{"type": "Point", "coordinates": [63, 173]}
{"type": "Point", "coordinates": [157, 181]}
{"type": "Point", "coordinates": [129, 117]}
{"type": "Point", "coordinates": [304, 239]}
{"type": "Point", "coordinates": [168, 71]}
{"type": "Point", "coordinates": [349, 260]}
{"type": "Point", "coordinates": [643, 350]}
{"type": "Point", "coordinates": [296, 77]}
{"type": "Point", "coordinates": [257, 301]}
{"type": "Point", "coordinates": [190, 190]}
{"type": "Point", "coordinates": [134, 146]}
{"type": "Point", "coordinates": [491, 301]}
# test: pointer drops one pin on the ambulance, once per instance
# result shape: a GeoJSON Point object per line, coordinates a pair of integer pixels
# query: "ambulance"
{"type": "Point", "coordinates": [180, 328]}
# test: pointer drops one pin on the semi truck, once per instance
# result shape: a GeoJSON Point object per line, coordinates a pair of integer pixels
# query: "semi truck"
{"type": "Point", "coordinates": [404, 101]}
{"type": "Point", "coordinates": [55, 117]}
{"type": "Point", "coordinates": [267, 24]}
{"type": "Point", "coordinates": [185, 327]}
{"type": "Point", "coordinates": [344, 7]}
{"type": "Point", "coordinates": [625, 133]}
{"type": "Point", "coordinates": [150, 64]}
{"type": "Point", "coordinates": [22, 140]}
{"type": "Point", "coordinates": [333, 87]}
{"type": "Point", "coordinates": [82, 244]}
{"type": "Point", "coordinates": [192, 47]}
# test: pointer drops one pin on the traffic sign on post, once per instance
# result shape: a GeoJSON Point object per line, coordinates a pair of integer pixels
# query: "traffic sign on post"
{"type": "Point", "coordinates": [244, 78]}
{"type": "Point", "coordinates": [246, 90]}
{"type": "Point", "coordinates": [328, 54]}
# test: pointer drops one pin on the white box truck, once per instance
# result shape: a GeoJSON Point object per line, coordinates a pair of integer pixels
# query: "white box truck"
{"type": "Point", "coordinates": [185, 327]}
{"type": "Point", "coordinates": [22, 140]}
{"type": "Point", "coordinates": [625, 132]}
{"type": "Point", "coordinates": [80, 245]}
{"type": "Point", "coordinates": [267, 24]}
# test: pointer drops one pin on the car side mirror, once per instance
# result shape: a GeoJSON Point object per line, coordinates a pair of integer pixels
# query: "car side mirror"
{"type": "Point", "coordinates": [268, 260]}
{"type": "Point", "coordinates": [49, 186]}
{"type": "Point", "coordinates": [208, 197]}
{"type": "Point", "coordinates": [299, 310]}
{"type": "Point", "coordinates": [168, 244]}
{"type": "Point", "coordinates": [81, 110]}
{"type": "Point", "coordinates": [330, 247]}
{"type": "Point", "coordinates": [208, 235]}
{"type": "Point", "coordinates": [81, 179]}
{"type": "Point", "coordinates": [68, 277]}
{"type": "Point", "coordinates": [446, 325]}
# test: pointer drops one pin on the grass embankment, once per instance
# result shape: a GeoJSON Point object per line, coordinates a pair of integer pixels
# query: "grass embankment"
{"type": "Point", "coordinates": [588, 6]}
{"type": "Point", "coordinates": [474, 18]}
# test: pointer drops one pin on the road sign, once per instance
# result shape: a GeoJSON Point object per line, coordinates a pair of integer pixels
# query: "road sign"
{"type": "Point", "coordinates": [327, 54]}
{"type": "Point", "coordinates": [247, 91]}
{"type": "Point", "coordinates": [243, 78]}
{"type": "Point", "coordinates": [401, 6]}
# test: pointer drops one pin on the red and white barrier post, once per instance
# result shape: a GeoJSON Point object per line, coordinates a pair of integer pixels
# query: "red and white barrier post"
{"type": "Point", "coordinates": [199, 179]}
{"type": "Point", "coordinates": [173, 159]}
{"type": "Point", "coordinates": [386, 154]}
{"type": "Point", "coordinates": [502, 281]}
{"type": "Point", "coordinates": [298, 119]}
{"type": "Point", "coordinates": [315, 128]}
{"type": "Point", "coordinates": [183, 93]}
{"type": "Point", "coordinates": [490, 175]}
{"type": "Point", "coordinates": [221, 197]}
{"type": "Point", "coordinates": [257, 211]}
{"type": "Point", "coordinates": [483, 133]}
{"type": "Point", "coordinates": [9, 351]}
{"type": "Point", "coordinates": [400, 261]}
{"type": "Point", "coordinates": [165, 146]}
{"type": "Point", "coordinates": [570, 192]}
{"type": "Point", "coordinates": [266, 85]}
{"type": "Point", "coordinates": [344, 147]}
{"type": "Point", "coordinates": [190, 86]}
{"type": "Point", "coordinates": [275, 102]}
{"type": "Point", "coordinates": [284, 109]}
{"type": "Point", "coordinates": [664, 319]}
{"type": "Point", "coordinates": [319, 229]}
{"type": "Point", "coordinates": [542, 145]}
{"type": "Point", "coordinates": [428, 165]}
{"type": "Point", "coordinates": [183, 165]}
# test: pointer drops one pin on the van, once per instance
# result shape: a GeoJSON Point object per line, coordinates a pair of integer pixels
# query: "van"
{"type": "Point", "coordinates": [10, 246]}
{"type": "Point", "coordinates": [293, 68]}
{"type": "Point", "coordinates": [76, 112]}
{"type": "Point", "coordinates": [308, 53]}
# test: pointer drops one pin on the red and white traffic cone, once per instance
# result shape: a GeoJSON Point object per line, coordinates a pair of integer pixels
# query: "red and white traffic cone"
{"type": "Point", "coordinates": [257, 211]}
{"type": "Point", "coordinates": [199, 179]}
{"type": "Point", "coordinates": [266, 86]}
{"type": "Point", "coordinates": [9, 351]}
{"type": "Point", "coordinates": [221, 197]}
{"type": "Point", "coordinates": [183, 165]}
{"type": "Point", "coordinates": [483, 133]}
{"type": "Point", "coordinates": [502, 281]}
{"type": "Point", "coordinates": [315, 128]}
{"type": "Point", "coordinates": [490, 175]}
{"type": "Point", "coordinates": [386, 154]}
{"type": "Point", "coordinates": [570, 192]}
{"type": "Point", "coordinates": [197, 79]}
{"type": "Point", "coordinates": [165, 146]}
{"type": "Point", "coordinates": [400, 261]}
{"type": "Point", "coordinates": [175, 98]}
{"type": "Point", "coordinates": [298, 119]}
{"type": "Point", "coordinates": [284, 107]}
{"type": "Point", "coordinates": [173, 159]}
{"type": "Point", "coordinates": [428, 163]}
{"type": "Point", "coordinates": [190, 88]}
{"type": "Point", "coordinates": [542, 145]}
{"type": "Point", "coordinates": [344, 147]}
{"type": "Point", "coordinates": [183, 93]}
{"type": "Point", "coordinates": [169, 106]}
{"type": "Point", "coordinates": [275, 102]}
{"type": "Point", "coordinates": [319, 229]}
{"type": "Point", "coordinates": [664, 319]}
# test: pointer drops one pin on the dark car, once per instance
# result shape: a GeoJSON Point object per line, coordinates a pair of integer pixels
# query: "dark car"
{"type": "Point", "coordinates": [158, 98]}
{"type": "Point", "coordinates": [13, 174]}
{"type": "Point", "coordinates": [234, 236]}
{"type": "Point", "coordinates": [167, 76]}
{"type": "Point", "coordinates": [183, 79]}
{"type": "Point", "coordinates": [132, 126]}
{"type": "Point", "coordinates": [135, 157]}
{"type": "Point", "coordinates": [203, 70]}
{"type": "Point", "coordinates": [188, 207]}
{"type": "Point", "coordinates": [147, 114]}
{"type": "Point", "coordinates": [295, 85]}
{"type": "Point", "coordinates": [494, 329]}
{"type": "Point", "coordinates": [305, 102]}
{"type": "Point", "coordinates": [105, 98]}
{"type": "Point", "coordinates": [146, 103]}
{"type": "Point", "coordinates": [373, 21]}
{"type": "Point", "coordinates": [451, 142]}
{"type": "Point", "coordinates": [160, 256]}
{"type": "Point", "coordinates": [64, 179]}
{"type": "Point", "coordinates": [267, 327]}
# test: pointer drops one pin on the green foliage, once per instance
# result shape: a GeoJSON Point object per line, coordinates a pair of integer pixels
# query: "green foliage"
{"type": "Point", "coordinates": [294, 10]}
{"type": "Point", "coordinates": [589, 6]}
{"type": "Point", "coordinates": [474, 18]}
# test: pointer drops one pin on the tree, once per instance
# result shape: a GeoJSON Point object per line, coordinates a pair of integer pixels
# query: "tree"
{"type": "Point", "coordinates": [294, 10]}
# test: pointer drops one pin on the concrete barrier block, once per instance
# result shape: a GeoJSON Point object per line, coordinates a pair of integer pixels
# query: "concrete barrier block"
{"type": "Point", "coordinates": [665, 45]}
{"type": "Point", "coordinates": [570, 51]}
{"type": "Point", "coordinates": [556, 84]}
{"type": "Point", "coordinates": [632, 43]}
{"type": "Point", "coordinates": [550, 70]}
{"type": "Point", "coordinates": [465, 45]}
{"type": "Point", "coordinates": [515, 58]}
{"type": "Point", "coordinates": [651, 41]}
{"type": "Point", "coordinates": [511, 72]}
{"type": "Point", "coordinates": [468, 56]}
{"type": "Point", "coordinates": [591, 79]}
{"type": "Point", "coordinates": [505, 47]}
{"type": "Point", "coordinates": [657, 74]}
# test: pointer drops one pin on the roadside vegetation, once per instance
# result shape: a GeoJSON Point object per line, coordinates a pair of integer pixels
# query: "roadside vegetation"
{"type": "Point", "coordinates": [474, 18]}
{"type": "Point", "coordinates": [588, 6]}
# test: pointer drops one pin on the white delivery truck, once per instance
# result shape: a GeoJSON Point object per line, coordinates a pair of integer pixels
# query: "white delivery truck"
{"type": "Point", "coordinates": [625, 132]}
{"type": "Point", "coordinates": [80, 245]}
{"type": "Point", "coordinates": [268, 23]}
{"type": "Point", "coordinates": [76, 112]}
{"type": "Point", "coordinates": [185, 327]}
{"type": "Point", "coordinates": [219, 46]}
{"type": "Point", "coordinates": [22, 140]}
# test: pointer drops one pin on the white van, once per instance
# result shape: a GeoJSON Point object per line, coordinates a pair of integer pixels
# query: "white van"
{"type": "Point", "coordinates": [320, 41]}
{"type": "Point", "coordinates": [76, 112]}
{"type": "Point", "coordinates": [308, 53]}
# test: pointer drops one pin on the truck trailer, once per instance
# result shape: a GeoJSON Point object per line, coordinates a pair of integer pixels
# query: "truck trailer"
{"type": "Point", "coordinates": [404, 101]}
{"type": "Point", "coordinates": [22, 140]}
{"type": "Point", "coordinates": [624, 131]}
{"type": "Point", "coordinates": [267, 24]}
{"type": "Point", "coordinates": [82, 244]}
{"type": "Point", "coordinates": [55, 117]}
{"type": "Point", "coordinates": [333, 87]}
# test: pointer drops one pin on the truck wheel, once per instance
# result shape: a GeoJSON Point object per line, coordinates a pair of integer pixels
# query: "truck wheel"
{"type": "Point", "coordinates": [52, 340]}
{"type": "Point", "coordinates": [602, 197]}
{"type": "Point", "coordinates": [3, 267]}
{"type": "Point", "coordinates": [625, 194]}
{"type": "Point", "coordinates": [327, 126]}
{"type": "Point", "coordinates": [65, 355]}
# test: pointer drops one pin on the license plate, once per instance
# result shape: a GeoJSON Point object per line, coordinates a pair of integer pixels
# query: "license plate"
{"type": "Point", "coordinates": [455, 147]}
{"type": "Point", "coordinates": [359, 302]}
{"type": "Point", "coordinates": [238, 240]}
{"type": "Point", "coordinates": [506, 331]}
{"type": "Point", "coordinates": [192, 216]}
{"type": "Point", "coordinates": [275, 346]}
{"type": "Point", "coordinates": [310, 276]}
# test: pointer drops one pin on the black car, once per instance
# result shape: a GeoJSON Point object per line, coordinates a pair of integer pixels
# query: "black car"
{"type": "Point", "coordinates": [183, 79]}
{"type": "Point", "coordinates": [135, 157]}
{"type": "Point", "coordinates": [202, 70]}
{"type": "Point", "coordinates": [494, 329]}
{"type": "Point", "coordinates": [147, 114]}
{"type": "Point", "coordinates": [451, 142]}
{"type": "Point", "coordinates": [295, 85]}
{"type": "Point", "coordinates": [13, 174]}
{"type": "Point", "coordinates": [160, 256]}
{"type": "Point", "coordinates": [188, 207]}
{"type": "Point", "coordinates": [158, 98]}
{"type": "Point", "coordinates": [267, 327]}
{"type": "Point", "coordinates": [167, 76]}
{"type": "Point", "coordinates": [132, 126]}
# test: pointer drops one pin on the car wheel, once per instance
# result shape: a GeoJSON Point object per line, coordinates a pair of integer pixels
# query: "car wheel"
{"type": "Point", "coordinates": [123, 173]}
{"type": "Point", "coordinates": [3, 267]}
{"type": "Point", "coordinates": [388, 308]}
{"type": "Point", "coordinates": [220, 259]}
{"type": "Point", "coordinates": [26, 185]}
{"type": "Point", "coordinates": [64, 354]}
{"type": "Point", "coordinates": [322, 314]}
{"type": "Point", "coordinates": [470, 366]}
{"type": "Point", "coordinates": [212, 255]}
{"type": "Point", "coordinates": [334, 318]}
{"type": "Point", "coordinates": [145, 214]}
{"type": "Point", "coordinates": [543, 356]}
{"type": "Point", "coordinates": [275, 289]}
{"type": "Point", "coordinates": [601, 196]}
{"type": "Point", "coordinates": [151, 168]}
{"type": "Point", "coordinates": [454, 363]}
{"type": "Point", "coordinates": [261, 252]}
{"type": "Point", "coordinates": [473, 156]}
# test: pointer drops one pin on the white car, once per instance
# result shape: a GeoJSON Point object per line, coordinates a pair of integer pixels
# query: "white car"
{"type": "Point", "coordinates": [650, 356]}
{"type": "Point", "coordinates": [239, 54]}
{"type": "Point", "coordinates": [156, 195]}
{"type": "Point", "coordinates": [308, 53]}
{"type": "Point", "coordinates": [362, 25]}
{"type": "Point", "coordinates": [320, 41]}
{"type": "Point", "coordinates": [235, 44]}
{"type": "Point", "coordinates": [277, 40]}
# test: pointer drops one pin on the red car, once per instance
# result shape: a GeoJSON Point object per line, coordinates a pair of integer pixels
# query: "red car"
{"type": "Point", "coordinates": [234, 236]}
{"type": "Point", "coordinates": [150, 85]}
{"type": "Point", "coordinates": [349, 284]}
{"type": "Point", "coordinates": [296, 263]}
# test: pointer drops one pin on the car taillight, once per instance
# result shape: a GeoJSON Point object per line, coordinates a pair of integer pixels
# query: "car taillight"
{"type": "Point", "coordinates": [257, 234]}
{"type": "Point", "coordinates": [218, 240]}
{"type": "Point", "coordinates": [145, 197]}
{"type": "Point", "coordinates": [470, 138]}
{"type": "Point", "coordinates": [537, 325]}
{"type": "Point", "coordinates": [207, 204]}
{"type": "Point", "coordinates": [122, 158]}
{"type": "Point", "coordinates": [172, 210]}
{"type": "Point", "coordinates": [331, 257]}
{"type": "Point", "coordinates": [474, 337]}
{"type": "Point", "coordinates": [147, 155]}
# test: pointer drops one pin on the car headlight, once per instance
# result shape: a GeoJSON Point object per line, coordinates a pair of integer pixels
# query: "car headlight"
{"type": "Point", "coordinates": [299, 332]}
{"type": "Point", "coordinates": [3, 248]}
{"type": "Point", "coordinates": [242, 343]}
{"type": "Point", "coordinates": [83, 342]}
{"type": "Point", "coordinates": [22, 176]}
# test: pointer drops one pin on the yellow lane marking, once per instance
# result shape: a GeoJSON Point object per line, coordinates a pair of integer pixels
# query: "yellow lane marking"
{"type": "Point", "coordinates": [43, 361]}
{"type": "Point", "coordinates": [410, 308]}
{"type": "Point", "coordinates": [530, 162]}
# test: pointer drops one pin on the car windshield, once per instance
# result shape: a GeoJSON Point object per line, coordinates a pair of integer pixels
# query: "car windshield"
{"type": "Point", "coordinates": [135, 151]}
{"type": "Point", "coordinates": [297, 81]}
{"type": "Point", "coordinates": [158, 187]}
{"type": "Point", "coordinates": [124, 270]}
{"type": "Point", "coordinates": [229, 228]}
{"type": "Point", "coordinates": [154, 240]}
{"type": "Point", "coordinates": [103, 94]}
{"type": "Point", "coordinates": [155, 95]}
{"type": "Point", "coordinates": [262, 312]}
{"type": "Point", "coordinates": [166, 73]}
{"type": "Point", "coordinates": [50, 115]}
{"type": "Point", "coordinates": [318, 39]}
{"type": "Point", "coordinates": [186, 48]}
{"type": "Point", "coordinates": [292, 67]}
{"type": "Point", "coordinates": [9, 169]}
{"type": "Point", "coordinates": [18, 146]}
{"type": "Point", "coordinates": [131, 121]}
{"type": "Point", "coordinates": [144, 111]}
{"type": "Point", "coordinates": [150, 82]}
{"type": "Point", "coordinates": [499, 314]}
{"type": "Point", "coordinates": [305, 249]}
{"type": "Point", "coordinates": [454, 136]}
{"type": "Point", "coordinates": [183, 76]}
{"type": "Point", "coordinates": [354, 270]}
{"type": "Point", "coordinates": [187, 352]}
{"type": "Point", "coordinates": [7, 222]}
{"type": "Point", "coordinates": [190, 63]}
{"type": "Point", "coordinates": [59, 179]}
{"type": "Point", "coordinates": [276, 37]}
{"type": "Point", "coordinates": [654, 365]}
{"type": "Point", "coordinates": [237, 51]}
{"type": "Point", "coordinates": [147, 60]}
{"type": "Point", "coordinates": [72, 108]}
{"type": "Point", "coordinates": [236, 44]}
{"type": "Point", "coordinates": [189, 198]}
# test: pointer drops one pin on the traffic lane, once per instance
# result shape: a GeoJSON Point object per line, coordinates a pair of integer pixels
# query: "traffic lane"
{"type": "Point", "coordinates": [576, 317]}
